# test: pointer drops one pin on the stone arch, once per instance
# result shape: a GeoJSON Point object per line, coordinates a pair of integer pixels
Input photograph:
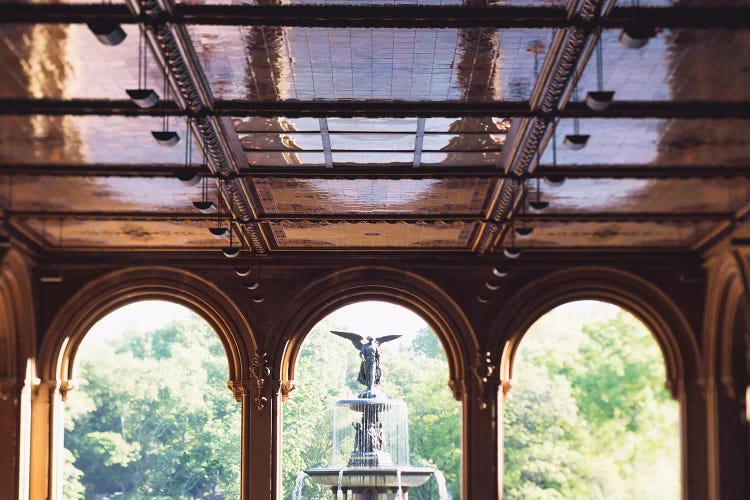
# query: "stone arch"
{"type": "Point", "coordinates": [649, 304]}
{"type": "Point", "coordinates": [17, 369]}
{"type": "Point", "coordinates": [114, 290]}
{"type": "Point", "coordinates": [402, 288]}
{"type": "Point", "coordinates": [17, 318]}
{"type": "Point", "coordinates": [726, 299]}
{"type": "Point", "coordinates": [725, 346]}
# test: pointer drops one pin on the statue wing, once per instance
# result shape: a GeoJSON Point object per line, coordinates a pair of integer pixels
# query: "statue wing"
{"type": "Point", "coordinates": [386, 338]}
{"type": "Point", "coordinates": [355, 338]}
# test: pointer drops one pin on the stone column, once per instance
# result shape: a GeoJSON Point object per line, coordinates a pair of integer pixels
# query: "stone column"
{"type": "Point", "coordinates": [693, 432]}
{"type": "Point", "coordinates": [10, 425]}
{"type": "Point", "coordinates": [481, 466]}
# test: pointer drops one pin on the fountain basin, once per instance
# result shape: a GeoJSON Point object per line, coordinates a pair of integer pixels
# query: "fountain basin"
{"type": "Point", "coordinates": [369, 477]}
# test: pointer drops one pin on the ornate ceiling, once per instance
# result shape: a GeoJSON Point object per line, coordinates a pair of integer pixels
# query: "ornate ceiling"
{"type": "Point", "coordinates": [369, 126]}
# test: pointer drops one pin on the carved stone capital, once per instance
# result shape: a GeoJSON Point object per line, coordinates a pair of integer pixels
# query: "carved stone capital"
{"type": "Point", "coordinates": [458, 387]}
{"type": "Point", "coordinates": [286, 387]}
{"type": "Point", "coordinates": [65, 387]}
{"type": "Point", "coordinates": [239, 388]}
{"type": "Point", "coordinates": [506, 386]}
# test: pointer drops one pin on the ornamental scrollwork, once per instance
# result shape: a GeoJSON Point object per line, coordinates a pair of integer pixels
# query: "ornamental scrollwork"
{"type": "Point", "coordinates": [260, 372]}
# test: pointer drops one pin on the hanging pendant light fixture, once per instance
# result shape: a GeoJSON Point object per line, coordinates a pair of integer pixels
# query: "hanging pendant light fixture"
{"type": "Point", "coordinates": [166, 137]}
{"type": "Point", "coordinates": [636, 37]}
{"type": "Point", "coordinates": [511, 251]}
{"type": "Point", "coordinates": [205, 205]}
{"type": "Point", "coordinates": [524, 230]}
{"type": "Point", "coordinates": [500, 272]}
{"type": "Point", "coordinates": [218, 231]}
{"type": "Point", "coordinates": [554, 180]}
{"type": "Point", "coordinates": [242, 272]}
{"type": "Point", "coordinates": [143, 96]}
{"type": "Point", "coordinates": [600, 99]}
{"type": "Point", "coordinates": [107, 32]}
{"type": "Point", "coordinates": [231, 251]}
{"type": "Point", "coordinates": [538, 205]}
{"type": "Point", "coordinates": [576, 140]}
{"type": "Point", "coordinates": [189, 176]}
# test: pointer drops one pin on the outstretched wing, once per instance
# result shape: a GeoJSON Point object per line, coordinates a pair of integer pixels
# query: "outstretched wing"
{"type": "Point", "coordinates": [355, 338]}
{"type": "Point", "coordinates": [386, 338]}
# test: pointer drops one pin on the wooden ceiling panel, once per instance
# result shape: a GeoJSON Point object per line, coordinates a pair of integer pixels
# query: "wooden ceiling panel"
{"type": "Point", "coordinates": [645, 195]}
{"type": "Point", "coordinates": [614, 234]}
{"type": "Point", "coordinates": [38, 139]}
{"type": "Point", "coordinates": [303, 235]}
{"type": "Point", "coordinates": [270, 63]}
{"type": "Point", "coordinates": [65, 61]}
{"type": "Point", "coordinates": [654, 141]}
{"type": "Point", "coordinates": [433, 3]}
{"type": "Point", "coordinates": [77, 234]}
{"type": "Point", "coordinates": [675, 65]}
{"type": "Point", "coordinates": [382, 196]}
{"type": "Point", "coordinates": [97, 194]}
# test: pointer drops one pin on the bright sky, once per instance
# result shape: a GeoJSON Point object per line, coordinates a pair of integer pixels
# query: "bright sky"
{"type": "Point", "coordinates": [366, 318]}
{"type": "Point", "coordinates": [376, 319]}
{"type": "Point", "coordinates": [137, 317]}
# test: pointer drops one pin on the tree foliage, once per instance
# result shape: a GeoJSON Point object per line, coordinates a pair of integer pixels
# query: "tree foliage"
{"type": "Point", "coordinates": [415, 371]}
{"type": "Point", "coordinates": [589, 417]}
{"type": "Point", "coordinates": [153, 419]}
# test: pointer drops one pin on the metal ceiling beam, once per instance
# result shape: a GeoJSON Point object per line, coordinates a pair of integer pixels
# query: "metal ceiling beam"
{"type": "Point", "coordinates": [386, 172]}
{"type": "Point", "coordinates": [379, 109]}
{"type": "Point", "coordinates": [379, 16]}
{"type": "Point", "coordinates": [210, 219]}
{"type": "Point", "coordinates": [659, 217]}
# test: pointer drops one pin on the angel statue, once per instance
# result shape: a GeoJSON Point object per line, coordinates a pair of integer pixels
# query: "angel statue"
{"type": "Point", "coordinates": [369, 370]}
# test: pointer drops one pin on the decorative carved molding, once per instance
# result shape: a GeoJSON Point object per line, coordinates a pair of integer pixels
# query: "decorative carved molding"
{"type": "Point", "coordinates": [175, 50]}
{"type": "Point", "coordinates": [239, 388]}
{"type": "Point", "coordinates": [458, 387]}
{"type": "Point", "coordinates": [260, 372]}
{"type": "Point", "coordinates": [488, 236]}
{"type": "Point", "coordinates": [486, 377]}
{"type": "Point", "coordinates": [286, 387]}
{"type": "Point", "coordinates": [65, 387]}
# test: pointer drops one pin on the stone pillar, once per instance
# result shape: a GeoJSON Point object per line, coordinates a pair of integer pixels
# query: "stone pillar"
{"type": "Point", "coordinates": [693, 433]}
{"type": "Point", "coordinates": [10, 425]}
{"type": "Point", "coordinates": [257, 446]}
{"type": "Point", "coordinates": [481, 465]}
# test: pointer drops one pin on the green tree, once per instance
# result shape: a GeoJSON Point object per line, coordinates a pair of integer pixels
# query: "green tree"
{"type": "Point", "coordinates": [593, 404]}
{"type": "Point", "coordinates": [414, 371]}
{"type": "Point", "coordinates": [153, 417]}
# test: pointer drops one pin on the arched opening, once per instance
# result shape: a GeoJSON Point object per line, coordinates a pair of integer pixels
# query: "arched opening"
{"type": "Point", "coordinates": [589, 415]}
{"type": "Point", "coordinates": [414, 369]}
{"type": "Point", "coordinates": [150, 415]}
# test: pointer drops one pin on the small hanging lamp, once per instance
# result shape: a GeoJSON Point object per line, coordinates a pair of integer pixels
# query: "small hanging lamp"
{"type": "Point", "coordinates": [523, 230]}
{"type": "Point", "coordinates": [554, 180]}
{"type": "Point", "coordinates": [107, 32]}
{"type": "Point", "coordinates": [166, 137]}
{"type": "Point", "coordinates": [576, 140]}
{"type": "Point", "coordinates": [538, 205]}
{"type": "Point", "coordinates": [143, 96]}
{"type": "Point", "coordinates": [511, 251]}
{"type": "Point", "coordinates": [600, 99]}
{"type": "Point", "coordinates": [636, 37]}
{"type": "Point", "coordinates": [188, 175]}
{"type": "Point", "coordinates": [205, 205]}
{"type": "Point", "coordinates": [231, 251]}
{"type": "Point", "coordinates": [242, 272]}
